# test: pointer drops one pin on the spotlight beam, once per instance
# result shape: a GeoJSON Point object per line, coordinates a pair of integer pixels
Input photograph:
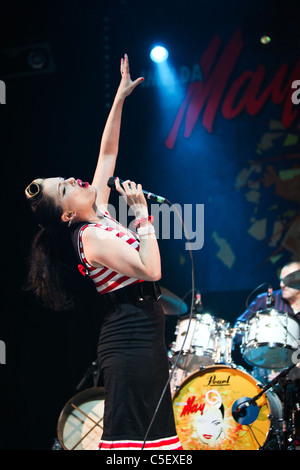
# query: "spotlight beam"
{"type": "Point", "coordinates": [159, 54]}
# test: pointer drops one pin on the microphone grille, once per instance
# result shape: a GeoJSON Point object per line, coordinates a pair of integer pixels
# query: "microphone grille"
{"type": "Point", "coordinates": [111, 182]}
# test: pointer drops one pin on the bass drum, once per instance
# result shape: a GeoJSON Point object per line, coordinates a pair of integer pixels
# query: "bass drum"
{"type": "Point", "coordinates": [204, 407]}
{"type": "Point", "coordinates": [80, 423]}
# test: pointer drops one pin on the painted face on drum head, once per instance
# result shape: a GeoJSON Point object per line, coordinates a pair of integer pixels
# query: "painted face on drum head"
{"type": "Point", "coordinates": [209, 426]}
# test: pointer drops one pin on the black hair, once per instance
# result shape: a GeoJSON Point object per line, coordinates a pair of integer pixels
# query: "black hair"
{"type": "Point", "coordinates": [46, 271]}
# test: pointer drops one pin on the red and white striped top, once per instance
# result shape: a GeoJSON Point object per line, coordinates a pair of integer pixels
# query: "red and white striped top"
{"type": "Point", "coordinates": [105, 279]}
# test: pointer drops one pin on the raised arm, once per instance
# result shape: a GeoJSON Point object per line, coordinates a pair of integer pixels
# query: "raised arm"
{"type": "Point", "coordinates": [101, 248]}
{"type": "Point", "coordinates": [110, 138]}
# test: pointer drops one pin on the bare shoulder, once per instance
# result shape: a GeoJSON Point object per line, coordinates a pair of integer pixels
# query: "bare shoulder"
{"type": "Point", "coordinates": [95, 241]}
{"type": "Point", "coordinates": [93, 233]}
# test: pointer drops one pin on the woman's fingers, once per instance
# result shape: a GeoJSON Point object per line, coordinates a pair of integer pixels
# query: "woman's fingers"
{"type": "Point", "coordinates": [119, 188]}
{"type": "Point", "coordinates": [127, 85]}
{"type": "Point", "coordinates": [124, 68]}
{"type": "Point", "coordinates": [127, 187]}
{"type": "Point", "coordinates": [137, 82]}
{"type": "Point", "coordinates": [132, 192]}
{"type": "Point", "coordinates": [126, 64]}
{"type": "Point", "coordinates": [133, 187]}
{"type": "Point", "coordinates": [130, 188]}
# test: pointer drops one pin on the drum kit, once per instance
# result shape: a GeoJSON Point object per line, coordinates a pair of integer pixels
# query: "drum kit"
{"type": "Point", "coordinates": [218, 405]}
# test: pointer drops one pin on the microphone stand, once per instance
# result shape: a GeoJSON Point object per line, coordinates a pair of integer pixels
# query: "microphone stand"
{"type": "Point", "coordinates": [273, 382]}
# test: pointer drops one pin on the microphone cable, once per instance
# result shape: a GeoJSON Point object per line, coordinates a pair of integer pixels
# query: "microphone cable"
{"type": "Point", "coordinates": [111, 184]}
{"type": "Point", "coordinates": [252, 293]}
{"type": "Point", "coordinates": [188, 327]}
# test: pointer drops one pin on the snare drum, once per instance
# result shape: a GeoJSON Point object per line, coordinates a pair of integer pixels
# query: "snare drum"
{"type": "Point", "coordinates": [198, 339]}
{"type": "Point", "coordinates": [204, 410]}
{"type": "Point", "coordinates": [206, 340]}
{"type": "Point", "coordinates": [269, 339]}
{"type": "Point", "coordinates": [80, 423]}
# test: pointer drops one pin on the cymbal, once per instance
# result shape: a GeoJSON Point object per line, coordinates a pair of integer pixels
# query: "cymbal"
{"type": "Point", "coordinates": [292, 280]}
{"type": "Point", "coordinates": [172, 304]}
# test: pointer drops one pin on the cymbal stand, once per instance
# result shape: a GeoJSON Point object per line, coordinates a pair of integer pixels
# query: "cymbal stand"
{"type": "Point", "coordinates": [92, 371]}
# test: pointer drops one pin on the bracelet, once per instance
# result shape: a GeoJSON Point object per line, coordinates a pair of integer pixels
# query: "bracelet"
{"type": "Point", "coordinates": [138, 222]}
{"type": "Point", "coordinates": [145, 230]}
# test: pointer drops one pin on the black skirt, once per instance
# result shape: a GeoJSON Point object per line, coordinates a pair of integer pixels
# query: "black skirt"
{"type": "Point", "coordinates": [134, 363]}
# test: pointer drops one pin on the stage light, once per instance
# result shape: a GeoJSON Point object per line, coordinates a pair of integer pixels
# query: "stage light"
{"type": "Point", "coordinates": [37, 59]}
{"type": "Point", "coordinates": [265, 39]}
{"type": "Point", "coordinates": [159, 54]}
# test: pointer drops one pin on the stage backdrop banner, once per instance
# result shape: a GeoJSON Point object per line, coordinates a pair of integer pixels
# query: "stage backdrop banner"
{"type": "Point", "coordinates": [225, 134]}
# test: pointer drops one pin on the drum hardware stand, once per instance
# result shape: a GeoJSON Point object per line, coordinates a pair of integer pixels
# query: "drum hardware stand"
{"type": "Point", "coordinates": [285, 422]}
{"type": "Point", "coordinates": [245, 410]}
{"type": "Point", "coordinates": [289, 429]}
{"type": "Point", "coordinates": [92, 370]}
{"type": "Point", "coordinates": [292, 422]}
{"type": "Point", "coordinates": [270, 297]}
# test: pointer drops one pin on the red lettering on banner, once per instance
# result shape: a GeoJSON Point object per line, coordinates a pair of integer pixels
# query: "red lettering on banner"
{"type": "Point", "coordinates": [252, 102]}
{"type": "Point", "coordinates": [206, 95]}
{"type": "Point", "coordinates": [192, 407]}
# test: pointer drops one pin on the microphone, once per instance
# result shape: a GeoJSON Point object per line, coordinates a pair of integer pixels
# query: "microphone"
{"type": "Point", "coordinates": [153, 197]}
{"type": "Point", "coordinates": [245, 412]}
{"type": "Point", "coordinates": [270, 297]}
{"type": "Point", "coordinates": [198, 306]}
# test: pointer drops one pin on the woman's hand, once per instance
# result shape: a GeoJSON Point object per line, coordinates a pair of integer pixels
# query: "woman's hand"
{"type": "Point", "coordinates": [103, 248]}
{"type": "Point", "coordinates": [127, 85]}
{"type": "Point", "coordinates": [134, 197]}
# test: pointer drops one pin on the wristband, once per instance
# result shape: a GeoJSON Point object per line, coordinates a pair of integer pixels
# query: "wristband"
{"type": "Point", "coordinates": [138, 222]}
{"type": "Point", "coordinates": [145, 230]}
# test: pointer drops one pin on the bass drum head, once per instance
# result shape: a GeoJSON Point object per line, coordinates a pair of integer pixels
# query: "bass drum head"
{"type": "Point", "coordinates": [203, 408]}
{"type": "Point", "coordinates": [80, 423]}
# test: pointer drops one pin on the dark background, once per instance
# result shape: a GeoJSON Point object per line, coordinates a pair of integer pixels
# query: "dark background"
{"type": "Point", "coordinates": [244, 170]}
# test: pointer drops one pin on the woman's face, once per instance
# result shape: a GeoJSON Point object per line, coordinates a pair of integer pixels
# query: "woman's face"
{"type": "Point", "coordinates": [72, 195]}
